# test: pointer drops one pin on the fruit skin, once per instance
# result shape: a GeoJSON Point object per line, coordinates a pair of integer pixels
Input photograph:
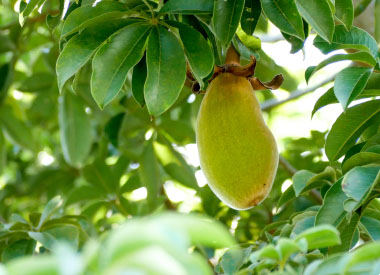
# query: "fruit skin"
{"type": "Point", "coordinates": [238, 153]}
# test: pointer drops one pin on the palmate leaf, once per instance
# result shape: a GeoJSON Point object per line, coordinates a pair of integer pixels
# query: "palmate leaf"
{"type": "Point", "coordinates": [114, 59]}
{"type": "Point", "coordinates": [82, 46]}
{"type": "Point", "coordinates": [89, 14]}
{"type": "Point", "coordinates": [197, 50]}
{"type": "Point", "coordinates": [166, 67]}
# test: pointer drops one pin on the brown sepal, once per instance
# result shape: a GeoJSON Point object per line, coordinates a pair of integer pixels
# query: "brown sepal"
{"type": "Point", "coordinates": [274, 84]}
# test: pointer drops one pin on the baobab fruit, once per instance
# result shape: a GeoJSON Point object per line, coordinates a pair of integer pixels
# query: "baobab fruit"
{"type": "Point", "coordinates": [238, 153]}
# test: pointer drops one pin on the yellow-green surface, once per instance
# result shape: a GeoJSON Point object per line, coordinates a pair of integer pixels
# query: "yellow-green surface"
{"type": "Point", "coordinates": [238, 153]}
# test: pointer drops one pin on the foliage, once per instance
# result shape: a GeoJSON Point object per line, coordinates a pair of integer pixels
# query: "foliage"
{"type": "Point", "coordinates": [96, 107]}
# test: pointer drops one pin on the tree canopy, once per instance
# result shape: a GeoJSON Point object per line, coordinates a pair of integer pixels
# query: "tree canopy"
{"type": "Point", "coordinates": [98, 106]}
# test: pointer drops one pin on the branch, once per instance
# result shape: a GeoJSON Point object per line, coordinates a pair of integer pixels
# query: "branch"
{"type": "Point", "coordinates": [292, 170]}
{"type": "Point", "coordinates": [287, 166]}
{"type": "Point", "coordinates": [274, 102]}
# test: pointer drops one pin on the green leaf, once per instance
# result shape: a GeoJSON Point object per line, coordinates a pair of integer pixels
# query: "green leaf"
{"type": "Point", "coordinates": [75, 129]}
{"type": "Point", "coordinates": [36, 265]}
{"type": "Point", "coordinates": [87, 15]}
{"type": "Point", "coordinates": [15, 129]}
{"type": "Point", "coordinates": [49, 209]}
{"type": "Point", "coordinates": [354, 39]}
{"type": "Point", "coordinates": [372, 225]}
{"type": "Point", "coordinates": [320, 236]}
{"type": "Point", "coordinates": [188, 7]}
{"type": "Point", "coordinates": [114, 59]}
{"type": "Point", "coordinates": [82, 46]}
{"type": "Point", "coordinates": [364, 254]}
{"type": "Point", "coordinates": [17, 249]}
{"type": "Point", "coordinates": [303, 224]}
{"type": "Point", "coordinates": [319, 15]}
{"type": "Point", "coordinates": [358, 56]}
{"type": "Point", "coordinates": [250, 16]}
{"type": "Point", "coordinates": [174, 164]}
{"type": "Point", "coordinates": [297, 44]}
{"type": "Point", "coordinates": [349, 83]}
{"type": "Point", "coordinates": [138, 81]}
{"type": "Point", "coordinates": [113, 127]}
{"type": "Point", "coordinates": [288, 195]}
{"type": "Point", "coordinates": [267, 252]}
{"type": "Point", "coordinates": [149, 174]}
{"type": "Point", "coordinates": [83, 193]}
{"type": "Point", "coordinates": [327, 266]}
{"type": "Point", "coordinates": [132, 183]}
{"type": "Point", "coordinates": [377, 20]}
{"type": "Point", "coordinates": [358, 184]}
{"type": "Point", "coordinates": [332, 210]}
{"type": "Point", "coordinates": [6, 78]}
{"type": "Point", "coordinates": [166, 71]}
{"type": "Point", "coordinates": [43, 238]}
{"type": "Point", "coordinates": [233, 259]}
{"type": "Point", "coordinates": [284, 14]}
{"type": "Point", "coordinates": [349, 126]}
{"type": "Point", "coordinates": [131, 136]}
{"type": "Point", "coordinates": [344, 11]}
{"type": "Point", "coordinates": [3, 152]}
{"type": "Point", "coordinates": [177, 131]}
{"type": "Point", "coordinates": [360, 159]}
{"type": "Point", "coordinates": [300, 180]}
{"type": "Point", "coordinates": [347, 234]}
{"type": "Point", "coordinates": [100, 175]}
{"type": "Point", "coordinates": [31, 6]}
{"type": "Point", "coordinates": [226, 19]}
{"type": "Point", "coordinates": [37, 82]}
{"type": "Point", "coordinates": [197, 50]}
{"type": "Point", "coordinates": [287, 247]}
{"type": "Point", "coordinates": [199, 228]}
{"type": "Point", "coordinates": [51, 237]}
{"type": "Point", "coordinates": [329, 98]}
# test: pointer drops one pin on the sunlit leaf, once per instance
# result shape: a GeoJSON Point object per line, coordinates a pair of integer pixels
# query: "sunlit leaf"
{"type": "Point", "coordinates": [349, 126]}
{"type": "Point", "coordinates": [285, 16]}
{"type": "Point", "coordinates": [114, 59]}
{"type": "Point", "coordinates": [75, 129]}
{"type": "Point", "coordinates": [226, 18]}
{"type": "Point", "coordinates": [166, 71]}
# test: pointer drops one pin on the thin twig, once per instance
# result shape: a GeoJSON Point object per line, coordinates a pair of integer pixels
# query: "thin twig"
{"type": "Point", "coordinates": [274, 102]}
{"type": "Point", "coordinates": [292, 170]}
{"type": "Point", "coordinates": [287, 166]}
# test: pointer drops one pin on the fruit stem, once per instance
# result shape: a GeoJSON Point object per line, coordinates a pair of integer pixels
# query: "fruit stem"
{"type": "Point", "coordinates": [232, 56]}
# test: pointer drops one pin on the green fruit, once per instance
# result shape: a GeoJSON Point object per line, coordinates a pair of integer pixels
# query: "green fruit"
{"type": "Point", "coordinates": [238, 153]}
